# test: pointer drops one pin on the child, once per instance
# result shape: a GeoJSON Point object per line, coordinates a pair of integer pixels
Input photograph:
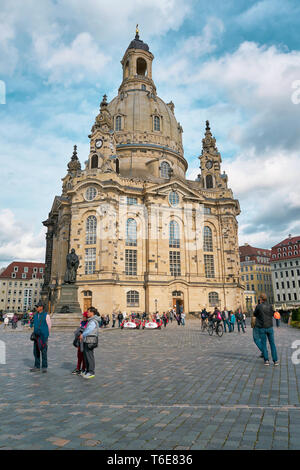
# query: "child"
{"type": "Point", "coordinates": [79, 345]}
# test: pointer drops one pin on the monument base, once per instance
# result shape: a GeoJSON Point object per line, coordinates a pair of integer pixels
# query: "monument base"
{"type": "Point", "coordinates": [67, 312]}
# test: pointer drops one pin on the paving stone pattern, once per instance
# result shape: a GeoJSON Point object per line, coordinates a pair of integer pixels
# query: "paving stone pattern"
{"type": "Point", "coordinates": [175, 388]}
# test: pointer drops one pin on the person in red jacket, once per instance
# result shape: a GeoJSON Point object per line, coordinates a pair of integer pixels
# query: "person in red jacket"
{"type": "Point", "coordinates": [80, 358]}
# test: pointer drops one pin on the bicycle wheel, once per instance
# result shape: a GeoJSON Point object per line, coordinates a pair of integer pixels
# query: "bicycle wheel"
{"type": "Point", "coordinates": [210, 330]}
{"type": "Point", "coordinates": [219, 330]}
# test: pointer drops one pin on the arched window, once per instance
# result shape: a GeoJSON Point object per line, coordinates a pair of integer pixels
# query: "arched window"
{"type": "Point", "coordinates": [143, 87]}
{"type": "Point", "coordinates": [165, 170]}
{"type": "Point", "coordinates": [91, 229]}
{"type": "Point", "coordinates": [94, 161]}
{"type": "Point", "coordinates": [207, 239]}
{"type": "Point", "coordinates": [213, 299]}
{"type": "Point", "coordinates": [174, 234]}
{"type": "Point", "coordinates": [156, 123]}
{"type": "Point", "coordinates": [131, 238]}
{"type": "Point", "coordinates": [141, 66]}
{"type": "Point", "coordinates": [118, 123]}
{"type": "Point", "coordinates": [132, 298]}
{"type": "Point", "coordinates": [209, 182]}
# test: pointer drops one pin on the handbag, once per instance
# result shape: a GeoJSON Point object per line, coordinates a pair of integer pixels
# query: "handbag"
{"type": "Point", "coordinates": [253, 322]}
{"type": "Point", "coordinates": [33, 336]}
{"type": "Point", "coordinates": [92, 341]}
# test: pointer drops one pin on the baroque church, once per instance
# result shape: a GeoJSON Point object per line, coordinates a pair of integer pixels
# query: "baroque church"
{"type": "Point", "coordinates": [147, 238]}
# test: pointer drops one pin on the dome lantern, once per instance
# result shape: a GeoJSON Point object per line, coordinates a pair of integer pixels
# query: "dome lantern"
{"type": "Point", "coordinates": [137, 65]}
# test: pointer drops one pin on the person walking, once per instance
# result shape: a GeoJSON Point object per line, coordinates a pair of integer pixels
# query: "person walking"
{"type": "Point", "coordinates": [120, 319]}
{"type": "Point", "coordinates": [79, 345]}
{"type": "Point", "coordinates": [183, 318]}
{"type": "Point", "coordinates": [225, 318]}
{"type": "Point", "coordinates": [171, 316]}
{"type": "Point", "coordinates": [41, 331]}
{"type": "Point", "coordinates": [264, 321]}
{"type": "Point", "coordinates": [244, 320]}
{"type": "Point", "coordinates": [240, 321]}
{"type": "Point", "coordinates": [14, 322]}
{"type": "Point", "coordinates": [113, 316]}
{"type": "Point", "coordinates": [232, 321]}
{"type": "Point", "coordinates": [6, 321]}
{"type": "Point", "coordinates": [277, 318]}
{"type": "Point", "coordinates": [89, 337]}
{"type": "Point", "coordinates": [165, 319]}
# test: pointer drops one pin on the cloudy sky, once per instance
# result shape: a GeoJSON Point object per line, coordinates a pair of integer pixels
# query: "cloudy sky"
{"type": "Point", "coordinates": [236, 63]}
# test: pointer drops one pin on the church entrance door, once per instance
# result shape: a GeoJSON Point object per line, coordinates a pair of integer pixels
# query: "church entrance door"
{"type": "Point", "coordinates": [87, 303]}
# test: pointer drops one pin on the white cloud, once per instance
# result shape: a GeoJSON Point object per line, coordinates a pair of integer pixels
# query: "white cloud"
{"type": "Point", "coordinates": [205, 43]}
{"type": "Point", "coordinates": [82, 60]}
{"type": "Point", "coordinates": [17, 242]}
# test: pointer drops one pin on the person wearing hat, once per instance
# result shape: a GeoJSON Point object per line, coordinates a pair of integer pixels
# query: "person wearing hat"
{"type": "Point", "coordinates": [41, 329]}
{"type": "Point", "coordinates": [81, 367]}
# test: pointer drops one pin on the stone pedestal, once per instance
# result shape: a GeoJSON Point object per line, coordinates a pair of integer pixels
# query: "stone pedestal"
{"type": "Point", "coordinates": [67, 313]}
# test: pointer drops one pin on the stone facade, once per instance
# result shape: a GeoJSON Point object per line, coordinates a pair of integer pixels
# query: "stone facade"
{"type": "Point", "coordinates": [147, 238]}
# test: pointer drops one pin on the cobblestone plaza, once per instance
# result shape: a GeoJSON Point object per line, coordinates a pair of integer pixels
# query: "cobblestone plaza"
{"type": "Point", "coordinates": [175, 388]}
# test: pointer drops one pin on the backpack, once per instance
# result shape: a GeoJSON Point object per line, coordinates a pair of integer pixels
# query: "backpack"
{"type": "Point", "coordinates": [277, 315]}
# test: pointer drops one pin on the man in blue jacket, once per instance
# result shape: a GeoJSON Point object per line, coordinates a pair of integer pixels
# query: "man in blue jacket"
{"type": "Point", "coordinates": [264, 322]}
{"type": "Point", "coordinates": [41, 329]}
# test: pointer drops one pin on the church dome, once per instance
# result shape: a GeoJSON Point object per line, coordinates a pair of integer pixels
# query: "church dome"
{"type": "Point", "coordinates": [144, 125]}
{"type": "Point", "coordinates": [137, 43]}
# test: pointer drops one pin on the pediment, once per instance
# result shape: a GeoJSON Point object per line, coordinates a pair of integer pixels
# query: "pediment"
{"type": "Point", "coordinates": [175, 185]}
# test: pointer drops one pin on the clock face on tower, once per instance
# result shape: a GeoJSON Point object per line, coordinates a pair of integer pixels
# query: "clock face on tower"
{"type": "Point", "coordinates": [99, 143]}
{"type": "Point", "coordinates": [209, 164]}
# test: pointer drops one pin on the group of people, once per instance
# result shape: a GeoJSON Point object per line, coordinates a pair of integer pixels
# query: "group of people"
{"type": "Point", "coordinates": [25, 318]}
{"type": "Point", "coordinates": [228, 317]}
{"type": "Point", "coordinates": [86, 336]}
{"type": "Point", "coordinates": [86, 339]}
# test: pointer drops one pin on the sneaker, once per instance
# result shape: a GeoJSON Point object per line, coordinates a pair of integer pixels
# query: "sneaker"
{"type": "Point", "coordinates": [34, 369]}
{"type": "Point", "coordinates": [44, 371]}
{"type": "Point", "coordinates": [276, 363]}
{"type": "Point", "coordinates": [82, 373]}
{"type": "Point", "coordinates": [88, 376]}
{"type": "Point", "coordinates": [76, 372]}
{"type": "Point", "coordinates": [267, 363]}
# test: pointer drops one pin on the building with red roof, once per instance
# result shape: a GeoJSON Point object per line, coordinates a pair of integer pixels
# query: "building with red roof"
{"type": "Point", "coordinates": [20, 286]}
{"type": "Point", "coordinates": [285, 265]}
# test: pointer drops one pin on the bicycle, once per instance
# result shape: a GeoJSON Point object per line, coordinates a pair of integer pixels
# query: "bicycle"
{"type": "Point", "coordinates": [217, 327]}
{"type": "Point", "coordinates": [204, 325]}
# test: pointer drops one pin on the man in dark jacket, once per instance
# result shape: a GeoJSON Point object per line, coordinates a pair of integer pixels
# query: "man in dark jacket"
{"type": "Point", "coordinates": [42, 327]}
{"type": "Point", "coordinates": [264, 321]}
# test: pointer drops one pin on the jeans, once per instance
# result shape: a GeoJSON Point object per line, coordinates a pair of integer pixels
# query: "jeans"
{"type": "Point", "coordinates": [241, 324]}
{"type": "Point", "coordinates": [37, 353]}
{"type": "Point", "coordinates": [264, 334]}
{"type": "Point", "coordinates": [226, 322]}
{"type": "Point", "coordinates": [183, 321]}
{"type": "Point", "coordinates": [277, 322]}
{"type": "Point", "coordinates": [231, 327]}
{"type": "Point", "coordinates": [256, 338]}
